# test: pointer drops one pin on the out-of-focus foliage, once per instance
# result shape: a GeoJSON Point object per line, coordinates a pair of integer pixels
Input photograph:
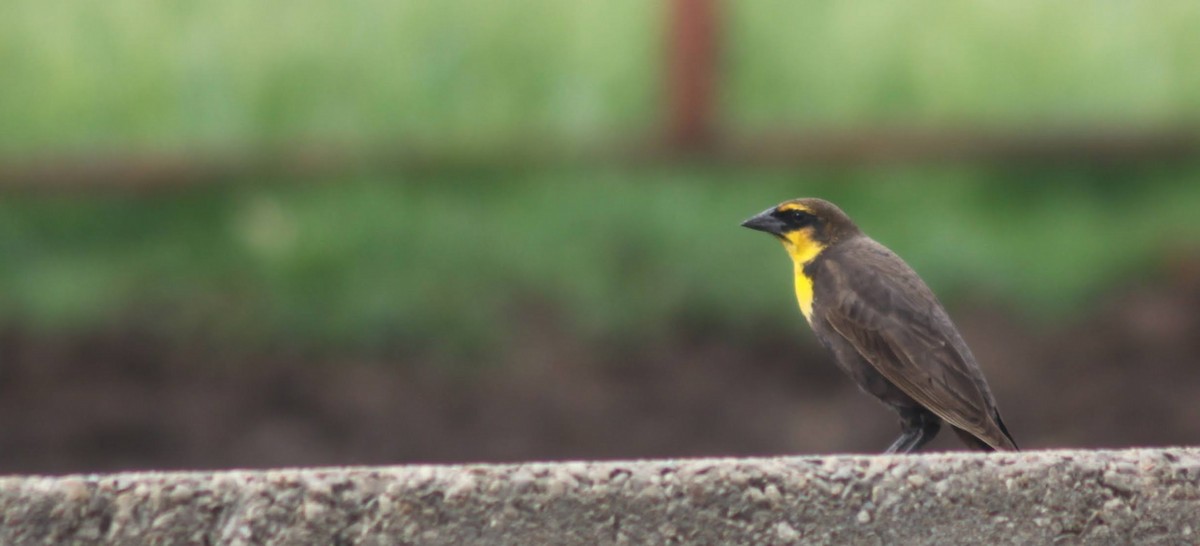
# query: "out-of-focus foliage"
{"type": "Point", "coordinates": [945, 62]}
{"type": "Point", "coordinates": [165, 74]}
{"type": "Point", "coordinates": [372, 259]}
{"type": "Point", "coordinates": [148, 73]}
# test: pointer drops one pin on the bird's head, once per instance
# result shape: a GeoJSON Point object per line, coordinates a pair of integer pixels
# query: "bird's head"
{"type": "Point", "coordinates": [805, 226]}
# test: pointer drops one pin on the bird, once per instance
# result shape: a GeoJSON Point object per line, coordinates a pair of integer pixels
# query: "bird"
{"type": "Point", "coordinates": [885, 327]}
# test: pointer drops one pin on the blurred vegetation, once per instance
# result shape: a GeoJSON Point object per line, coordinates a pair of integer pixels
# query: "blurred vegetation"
{"type": "Point", "coordinates": [944, 62]}
{"type": "Point", "coordinates": [372, 260]}
{"type": "Point", "coordinates": [375, 261]}
{"type": "Point", "coordinates": [144, 73]}
{"type": "Point", "coordinates": [147, 73]}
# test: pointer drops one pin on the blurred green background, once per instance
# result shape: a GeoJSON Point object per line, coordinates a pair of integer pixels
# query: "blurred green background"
{"type": "Point", "coordinates": [436, 272]}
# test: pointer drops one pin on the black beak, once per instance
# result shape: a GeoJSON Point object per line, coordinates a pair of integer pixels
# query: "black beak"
{"type": "Point", "coordinates": [766, 221]}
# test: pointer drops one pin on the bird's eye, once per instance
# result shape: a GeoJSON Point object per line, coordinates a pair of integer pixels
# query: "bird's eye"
{"type": "Point", "coordinates": [797, 218]}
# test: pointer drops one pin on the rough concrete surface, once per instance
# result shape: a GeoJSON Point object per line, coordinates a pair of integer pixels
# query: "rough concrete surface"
{"type": "Point", "coordinates": [1145, 496]}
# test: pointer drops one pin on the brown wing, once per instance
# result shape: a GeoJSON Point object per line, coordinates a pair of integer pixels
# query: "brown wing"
{"type": "Point", "coordinates": [893, 320]}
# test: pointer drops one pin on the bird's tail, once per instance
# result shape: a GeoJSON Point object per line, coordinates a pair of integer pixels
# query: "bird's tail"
{"type": "Point", "coordinates": [1004, 429]}
{"type": "Point", "coordinates": [975, 443]}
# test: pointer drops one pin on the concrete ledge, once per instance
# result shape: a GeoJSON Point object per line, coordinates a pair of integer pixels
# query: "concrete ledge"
{"type": "Point", "coordinates": [1147, 496]}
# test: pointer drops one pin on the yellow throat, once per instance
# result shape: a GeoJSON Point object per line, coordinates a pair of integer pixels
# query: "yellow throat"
{"type": "Point", "coordinates": [802, 249]}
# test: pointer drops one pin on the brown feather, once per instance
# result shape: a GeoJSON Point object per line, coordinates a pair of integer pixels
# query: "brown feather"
{"type": "Point", "coordinates": [867, 295]}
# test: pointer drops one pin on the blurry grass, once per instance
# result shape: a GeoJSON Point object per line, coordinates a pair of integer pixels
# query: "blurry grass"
{"type": "Point", "coordinates": [376, 262]}
{"type": "Point", "coordinates": [373, 261]}
{"type": "Point", "coordinates": [145, 73]}
{"type": "Point", "coordinates": [945, 62]}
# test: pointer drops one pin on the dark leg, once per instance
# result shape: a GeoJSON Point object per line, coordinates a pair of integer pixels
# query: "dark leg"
{"type": "Point", "coordinates": [917, 427]}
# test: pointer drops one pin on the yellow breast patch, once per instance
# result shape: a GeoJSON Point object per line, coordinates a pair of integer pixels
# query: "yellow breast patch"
{"type": "Point", "coordinates": [802, 249]}
{"type": "Point", "coordinates": [804, 292]}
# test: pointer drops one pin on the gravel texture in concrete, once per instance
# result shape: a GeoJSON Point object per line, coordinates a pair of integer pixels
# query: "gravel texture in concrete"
{"type": "Point", "coordinates": [1144, 496]}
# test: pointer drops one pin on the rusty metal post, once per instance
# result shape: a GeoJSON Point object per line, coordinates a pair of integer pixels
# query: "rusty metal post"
{"type": "Point", "coordinates": [692, 72]}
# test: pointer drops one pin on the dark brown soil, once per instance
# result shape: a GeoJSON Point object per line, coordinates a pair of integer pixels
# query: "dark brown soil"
{"type": "Point", "coordinates": [1128, 375]}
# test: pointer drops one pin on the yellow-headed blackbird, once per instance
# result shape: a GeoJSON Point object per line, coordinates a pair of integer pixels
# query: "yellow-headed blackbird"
{"type": "Point", "coordinates": [884, 327]}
